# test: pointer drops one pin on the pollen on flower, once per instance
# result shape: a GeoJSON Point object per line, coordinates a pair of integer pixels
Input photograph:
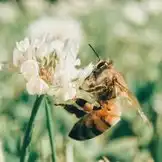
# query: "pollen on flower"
{"type": "Point", "coordinates": [36, 60]}
{"type": "Point", "coordinates": [46, 75]}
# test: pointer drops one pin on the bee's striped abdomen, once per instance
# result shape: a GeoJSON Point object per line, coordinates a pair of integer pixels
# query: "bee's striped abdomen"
{"type": "Point", "coordinates": [74, 110]}
{"type": "Point", "coordinates": [81, 131]}
{"type": "Point", "coordinates": [96, 122]}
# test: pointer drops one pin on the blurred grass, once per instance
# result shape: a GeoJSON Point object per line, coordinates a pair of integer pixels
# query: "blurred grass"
{"type": "Point", "coordinates": [128, 32]}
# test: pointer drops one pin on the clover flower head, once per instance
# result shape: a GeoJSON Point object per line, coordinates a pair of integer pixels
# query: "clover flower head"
{"type": "Point", "coordinates": [48, 59]}
{"type": "Point", "coordinates": [49, 67]}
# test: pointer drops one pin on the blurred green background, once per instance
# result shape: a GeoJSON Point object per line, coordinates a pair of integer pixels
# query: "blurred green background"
{"type": "Point", "coordinates": [127, 31]}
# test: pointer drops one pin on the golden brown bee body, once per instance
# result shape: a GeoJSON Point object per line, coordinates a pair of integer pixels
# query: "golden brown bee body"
{"type": "Point", "coordinates": [103, 80]}
{"type": "Point", "coordinates": [96, 121]}
{"type": "Point", "coordinates": [106, 85]}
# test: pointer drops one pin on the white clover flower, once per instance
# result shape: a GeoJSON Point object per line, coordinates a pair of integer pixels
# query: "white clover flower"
{"type": "Point", "coordinates": [35, 7]}
{"type": "Point", "coordinates": [154, 6]}
{"type": "Point", "coordinates": [66, 72]}
{"type": "Point", "coordinates": [50, 67]}
{"type": "Point", "coordinates": [46, 64]}
{"type": "Point", "coordinates": [22, 52]}
{"type": "Point", "coordinates": [48, 60]}
{"type": "Point", "coordinates": [8, 13]}
{"type": "Point", "coordinates": [68, 78]}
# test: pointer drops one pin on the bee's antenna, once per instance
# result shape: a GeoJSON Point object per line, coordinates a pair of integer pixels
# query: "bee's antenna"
{"type": "Point", "coordinates": [94, 52]}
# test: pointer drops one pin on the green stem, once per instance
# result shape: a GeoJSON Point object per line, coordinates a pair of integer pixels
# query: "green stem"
{"type": "Point", "coordinates": [50, 128]}
{"type": "Point", "coordinates": [28, 132]}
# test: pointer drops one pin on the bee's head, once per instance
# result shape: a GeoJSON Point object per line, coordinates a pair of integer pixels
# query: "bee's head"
{"type": "Point", "coordinates": [98, 75]}
{"type": "Point", "coordinates": [103, 64]}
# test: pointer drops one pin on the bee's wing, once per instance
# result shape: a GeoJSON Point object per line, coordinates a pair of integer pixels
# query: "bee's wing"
{"type": "Point", "coordinates": [133, 102]}
{"type": "Point", "coordinates": [94, 124]}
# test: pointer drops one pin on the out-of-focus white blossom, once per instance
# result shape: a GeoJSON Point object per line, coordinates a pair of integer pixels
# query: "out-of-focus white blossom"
{"type": "Point", "coordinates": [154, 6]}
{"type": "Point", "coordinates": [121, 29]}
{"type": "Point", "coordinates": [135, 13]}
{"type": "Point", "coordinates": [8, 13]}
{"type": "Point", "coordinates": [35, 6]}
{"type": "Point", "coordinates": [2, 159]}
{"type": "Point", "coordinates": [129, 56]}
{"type": "Point", "coordinates": [60, 28]}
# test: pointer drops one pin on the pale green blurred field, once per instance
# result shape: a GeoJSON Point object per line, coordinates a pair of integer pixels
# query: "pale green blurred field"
{"type": "Point", "coordinates": [127, 31]}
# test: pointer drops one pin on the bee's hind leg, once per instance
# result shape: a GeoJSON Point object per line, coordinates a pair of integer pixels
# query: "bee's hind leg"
{"type": "Point", "coordinates": [114, 81]}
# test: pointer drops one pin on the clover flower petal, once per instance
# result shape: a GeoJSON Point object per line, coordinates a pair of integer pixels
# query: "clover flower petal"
{"type": "Point", "coordinates": [37, 86]}
{"type": "Point", "coordinates": [23, 45]}
{"type": "Point", "coordinates": [29, 69]}
{"type": "Point", "coordinates": [22, 52]}
{"type": "Point", "coordinates": [85, 72]}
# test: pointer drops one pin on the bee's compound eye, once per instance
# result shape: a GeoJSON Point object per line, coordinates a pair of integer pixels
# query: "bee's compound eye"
{"type": "Point", "coordinates": [91, 85]}
{"type": "Point", "coordinates": [100, 64]}
{"type": "Point", "coordinates": [81, 102]}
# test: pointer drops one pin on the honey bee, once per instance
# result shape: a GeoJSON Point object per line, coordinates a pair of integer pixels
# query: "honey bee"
{"type": "Point", "coordinates": [106, 85]}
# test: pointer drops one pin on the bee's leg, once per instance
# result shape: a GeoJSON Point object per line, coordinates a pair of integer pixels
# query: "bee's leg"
{"type": "Point", "coordinates": [68, 102]}
{"type": "Point", "coordinates": [73, 108]}
{"type": "Point", "coordinates": [86, 106]}
{"type": "Point", "coordinates": [111, 86]}
{"type": "Point", "coordinates": [60, 104]}
{"type": "Point", "coordinates": [114, 80]}
{"type": "Point", "coordinates": [79, 107]}
{"type": "Point", "coordinates": [96, 88]}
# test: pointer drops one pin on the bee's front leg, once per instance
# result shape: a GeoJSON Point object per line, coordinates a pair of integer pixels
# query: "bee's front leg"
{"type": "Point", "coordinates": [95, 88]}
{"type": "Point", "coordinates": [78, 106]}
